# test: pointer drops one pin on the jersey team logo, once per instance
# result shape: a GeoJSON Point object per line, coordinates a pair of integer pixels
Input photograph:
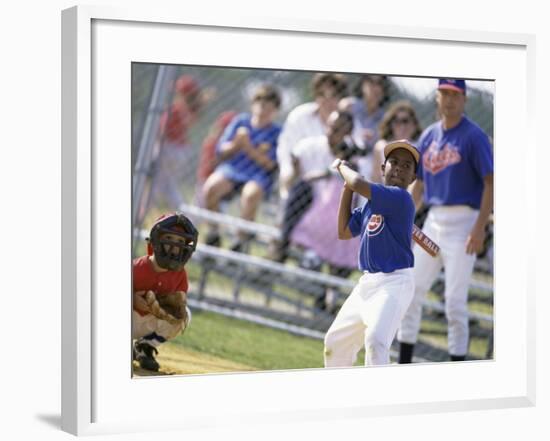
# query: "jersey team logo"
{"type": "Point", "coordinates": [436, 160]}
{"type": "Point", "coordinates": [375, 224]}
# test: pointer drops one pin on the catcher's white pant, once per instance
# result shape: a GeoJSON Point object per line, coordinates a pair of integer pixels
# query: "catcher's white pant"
{"type": "Point", "coordinates": [449, 227]}
{"type": "Point", "coordinates": [370, 316]}
{"type": "Point", "coordinates": [143, 325]}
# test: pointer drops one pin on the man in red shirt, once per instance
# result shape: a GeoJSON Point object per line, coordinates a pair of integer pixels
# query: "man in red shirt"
{"type": "Point", "coordinates": [208, 160]}
{"type": "Point", "coordinates": [157, 275]}
{"type": "Point", "coordinates": [176, 152]}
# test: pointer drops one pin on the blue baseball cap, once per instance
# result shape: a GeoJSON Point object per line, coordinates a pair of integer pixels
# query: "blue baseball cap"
{"type": "Point", "coordinates": [452, 84]}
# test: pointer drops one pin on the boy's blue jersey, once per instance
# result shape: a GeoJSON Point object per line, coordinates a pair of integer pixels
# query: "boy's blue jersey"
{"type": "Point", "coordinates": [453, 163]}
{"type": "Point", "coordinates": [241, 167]}
{"type": "Point", "coordinates": [385, 224]}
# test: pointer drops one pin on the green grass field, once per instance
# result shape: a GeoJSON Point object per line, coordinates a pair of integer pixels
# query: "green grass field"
{"type": "Point", "coordinates": [263, 348]}
{"type": "Point", "coordinates": [257, 346]}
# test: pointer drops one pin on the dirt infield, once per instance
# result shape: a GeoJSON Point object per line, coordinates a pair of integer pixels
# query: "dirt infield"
{"type": "Point", "coordinates": [177, 360]}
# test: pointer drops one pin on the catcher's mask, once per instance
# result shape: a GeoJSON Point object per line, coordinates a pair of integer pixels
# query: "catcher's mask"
{"type": "Point", "coordinates": [169, 254]}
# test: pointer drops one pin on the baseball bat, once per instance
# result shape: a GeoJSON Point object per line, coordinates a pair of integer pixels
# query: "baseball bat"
{"type": "Point", "coordinates": [425, 242]}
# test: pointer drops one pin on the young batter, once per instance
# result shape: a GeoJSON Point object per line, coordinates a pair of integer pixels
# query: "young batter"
{"type": "Point", "coordinates": [371, 314]}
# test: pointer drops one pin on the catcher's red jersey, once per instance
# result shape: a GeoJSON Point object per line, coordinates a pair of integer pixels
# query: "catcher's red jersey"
{"type": "Point", "coordinates": [145, 278]}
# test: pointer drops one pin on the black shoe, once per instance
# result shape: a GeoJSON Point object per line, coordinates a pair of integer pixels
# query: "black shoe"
{"type": "Point", "coordinates": [144, 354]}
{"type": "Point", "coordinates": [321, 303]}
{"type": "Point", "coordinates": [405, 353]}
{"type": "Point", "coordinates": [457, 357]}
{"type": "Point", "coordinates": [277, 252]}
{"type": "Point", "coordinates": [213, 239]}
{"type": "Point", "coordinates": [240, 244]}
{"type": "Point", "coordinates": [237, 246]}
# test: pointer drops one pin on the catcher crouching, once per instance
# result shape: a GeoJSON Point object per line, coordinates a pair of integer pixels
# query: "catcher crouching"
{"type": "Point", "coordinates": [160, 286]}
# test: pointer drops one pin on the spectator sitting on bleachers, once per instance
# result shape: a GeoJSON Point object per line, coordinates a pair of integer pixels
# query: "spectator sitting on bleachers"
{"type": "Point", "coordinates": [317, 230]}
{"type": "Point", "coordinates": [399, 122]}
{"type": "Point", "coordinates": [311, 160]}
{"type": "Point", "coordinates": [308, 119]}
{"type": "Point", "coordinates": [367, 106]}
{"type": "Point", "coordinates": [247, 155]}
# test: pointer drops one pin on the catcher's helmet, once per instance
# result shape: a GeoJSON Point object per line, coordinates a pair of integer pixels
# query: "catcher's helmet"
{"type": "Point", "coordinates": [172, 255]}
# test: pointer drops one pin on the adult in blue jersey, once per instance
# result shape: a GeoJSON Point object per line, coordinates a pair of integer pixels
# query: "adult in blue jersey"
{"type": "Point", "coordinates": [371, 314]}
{"type": "Point", "coordinates": [455, 178]}
{"type": "Point", "coordinates": [247, 151]}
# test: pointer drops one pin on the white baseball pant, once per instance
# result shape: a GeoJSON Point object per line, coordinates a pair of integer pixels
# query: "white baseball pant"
{"type": "Point", "coordinates": [449, 227]}
{"type": "Point", "coordinates": [143, 325]}
{"type": "Point", "coordinates": [370, 316]}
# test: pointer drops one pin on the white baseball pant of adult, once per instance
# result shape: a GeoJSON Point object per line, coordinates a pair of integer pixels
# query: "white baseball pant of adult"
{"type": "Point", "coordinates": [143, 325]}
{"type": "Point", "coordinates": [370, 316]}
{"type": "Point", "coordinates": [449, 227]}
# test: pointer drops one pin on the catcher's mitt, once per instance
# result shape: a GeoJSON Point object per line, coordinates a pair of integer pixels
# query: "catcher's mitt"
{"type": "Point", "coordinates": [169, 307]}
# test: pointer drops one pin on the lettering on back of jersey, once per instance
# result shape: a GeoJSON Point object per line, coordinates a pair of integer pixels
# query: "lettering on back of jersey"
{"type": "Point", "coordinates": [436, 160]}
{"type": "Point", "coordinates": [375, 224]}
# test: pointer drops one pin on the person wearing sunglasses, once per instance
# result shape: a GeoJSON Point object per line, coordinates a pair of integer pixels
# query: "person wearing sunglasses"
{"type": "Point", "coordinates": [399, 122]}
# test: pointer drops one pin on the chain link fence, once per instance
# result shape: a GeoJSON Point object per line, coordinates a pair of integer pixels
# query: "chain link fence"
{"type": "Point", "coordinates": [286, 233]}
{"type": "Point", "coordinates": [231, 89]}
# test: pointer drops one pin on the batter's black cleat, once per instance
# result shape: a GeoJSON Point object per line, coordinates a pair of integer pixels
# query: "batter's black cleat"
{"type": "Point", "coordinates": [405, 353]}
{"type": "Point", "coordinates": [144, 354]}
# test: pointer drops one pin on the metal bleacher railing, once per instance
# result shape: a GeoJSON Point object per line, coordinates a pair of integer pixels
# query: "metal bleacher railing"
{"type": "Point", "coordinates": [235, 224]}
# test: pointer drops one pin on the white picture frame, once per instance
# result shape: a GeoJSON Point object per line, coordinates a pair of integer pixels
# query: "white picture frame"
{"type": "Point", "coordinates": [98, 393]}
